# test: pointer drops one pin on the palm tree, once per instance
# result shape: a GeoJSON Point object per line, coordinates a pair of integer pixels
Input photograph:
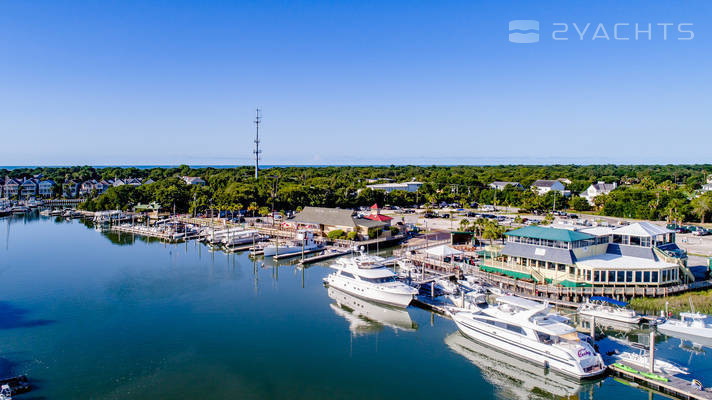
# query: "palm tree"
{"type": "Point", "coordinates": [252, 208]}
{"type": "Point", "coordinates": [701, 206]}
{"type": "Point", "coordinates": [464, 224]}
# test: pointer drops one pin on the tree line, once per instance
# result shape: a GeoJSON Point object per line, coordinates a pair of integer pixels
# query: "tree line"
{"type": "Point", "coordinates": [645, 191]}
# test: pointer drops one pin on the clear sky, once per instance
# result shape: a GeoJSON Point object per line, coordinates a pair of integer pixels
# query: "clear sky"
{"type": "Point", "coordinates": [360, 82]}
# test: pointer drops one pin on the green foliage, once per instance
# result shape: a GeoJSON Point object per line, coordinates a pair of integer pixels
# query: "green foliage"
{"type": "Point", "coordinates": [352, 235]}
{"type": "Point", "coordinates": [374, 232]}
{"type": "Point", "coordinates": [394, 230]}
{"type": "Point", "coordinates": [336, 234]}
{"type": "Point", "coordinates": [580, 204]}
{"type": "Point", "coordinates": [645, 191]}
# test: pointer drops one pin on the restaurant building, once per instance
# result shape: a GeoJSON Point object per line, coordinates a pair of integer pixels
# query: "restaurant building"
{"type": "Point", "coordinates": [640, 254]}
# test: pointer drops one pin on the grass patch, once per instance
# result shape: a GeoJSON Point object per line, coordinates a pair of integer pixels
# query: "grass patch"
{"type": "Point", "coordinates": [677, 304]}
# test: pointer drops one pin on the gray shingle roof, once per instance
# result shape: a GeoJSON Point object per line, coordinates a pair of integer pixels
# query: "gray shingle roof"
{"type": "Point", "coordinates": [560, 256]}
{"type": "Point", "coordinates": [333, 217]}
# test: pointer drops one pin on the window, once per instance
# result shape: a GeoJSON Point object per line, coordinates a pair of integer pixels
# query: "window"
{"type": "Point", "coordinates": [638, 276]}
{"type": "Point", "coordinates": [629, 276]}
{"type": "Point", "coordinates": [620, 276]}
{"type": "Point", "coordinates": [596, 276]}
{"type": "Point", "coordinates": [654, 278]}
{"type": "Point", "coordinates": [347, 274]}
{"type": "Point", "coordinates": [617, 239]}
{"type": "Point", "coordinates": [646, 277]}
{"type": "Point", "coordinates": [379, 280]}
{"type": "Point", "coordinates": [611, 276]}
{"type": "Point", "coordinates": [562, 267]}
{"type": "Point", "coordinates": [635, 241]}
{"type": "Point", "coordinates": [588, 275]}
{"type": "Point", "coordinates": [572, 270]}
{"type": "Point", "coordinates": [665, 275]}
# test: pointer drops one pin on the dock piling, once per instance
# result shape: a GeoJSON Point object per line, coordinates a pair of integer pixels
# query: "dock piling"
{"type": "Point", "coordinates": [652, 351]}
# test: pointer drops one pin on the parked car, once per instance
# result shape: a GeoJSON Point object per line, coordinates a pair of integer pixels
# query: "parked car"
{"type": "Point", "coordinates": [701, 232]}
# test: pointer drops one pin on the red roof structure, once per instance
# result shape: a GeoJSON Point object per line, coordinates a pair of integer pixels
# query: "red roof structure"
{"type": "Point", "coordinates": [379, 217]}
{"type": "Point", "coordinates": [374, 206]}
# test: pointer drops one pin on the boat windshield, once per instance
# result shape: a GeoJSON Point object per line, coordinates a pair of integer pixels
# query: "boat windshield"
{"type": "Point", "coordinates": [386, 279]}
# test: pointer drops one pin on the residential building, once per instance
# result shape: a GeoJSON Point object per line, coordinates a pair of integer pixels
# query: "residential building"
{"type": "Point", "coordinates": [543, 187]}
{"type": "Point", "coordinates": [640, 254]}
{"type": "Point", "coordinates": [324, 220]}
{"type": "Point", "coordinates": [12, 187]}
{"type": "Point", "coordinates": [598, 189]}
{"type": "Point", "coordinates": [500, 185]}
{"type": "Point", "coordinates": [29, 188]}
{"type": "Point", "coordinates": [193, 180]}
{"type": "Point", "coordinates": [411, 186]}
{"type": "Point", "coordinates": [46, 188]}
{"type": "Point", "coordinates": [102, 185]}
{"type": "Point", "coordinates": [88, 187]}
{"type": "Point", "coordinates": [70, 188]}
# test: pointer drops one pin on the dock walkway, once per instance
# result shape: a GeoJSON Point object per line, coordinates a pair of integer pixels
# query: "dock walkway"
{"type": "Point", "coordinates": [675, 386]}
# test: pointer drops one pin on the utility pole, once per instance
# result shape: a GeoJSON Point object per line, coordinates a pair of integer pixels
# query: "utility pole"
{"type": "Point", "coordinates": [257, 150]}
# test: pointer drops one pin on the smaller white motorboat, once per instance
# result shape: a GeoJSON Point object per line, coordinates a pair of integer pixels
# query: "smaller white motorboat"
{"type": "Point", "coordinates": [642, 361]}
{"type": "Point", "coordinates": [610, 309]}
{"type": "Point", "coordinates": [689, 324]}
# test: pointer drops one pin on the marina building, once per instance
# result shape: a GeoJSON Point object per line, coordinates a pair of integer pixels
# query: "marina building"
{"type": "Point", "coordinates": [500, 185]}
{"type": "Point", "coordinates": [640, 254]}
{"type": "Point", "coordinates": [28, 188]}
{"type": "Point", "coordinates": [324, 220]}
{"type": "Point", "coordinates": [412, 186]}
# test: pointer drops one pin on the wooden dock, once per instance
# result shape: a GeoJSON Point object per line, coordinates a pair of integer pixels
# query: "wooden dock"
{"type": "Point", "coordinates": [327, 254]}
{"type": "Point", "coordinates": [675, 386]}
{"type": "Point", "coordinates": [295, 254]}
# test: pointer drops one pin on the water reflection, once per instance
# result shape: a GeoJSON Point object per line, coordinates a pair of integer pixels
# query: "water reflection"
{"type": "Point", "coordinates": [365, 317]}
{"type": "Point", "coordinates": [514, 378]}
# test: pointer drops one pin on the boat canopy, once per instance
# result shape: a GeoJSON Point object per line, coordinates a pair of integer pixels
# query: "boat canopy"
{"type": "Point", "coordinates": [609, 300]}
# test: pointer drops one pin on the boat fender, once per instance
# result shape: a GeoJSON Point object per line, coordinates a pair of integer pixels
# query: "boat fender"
{"type": "Point", "coordinates": [696, 384]}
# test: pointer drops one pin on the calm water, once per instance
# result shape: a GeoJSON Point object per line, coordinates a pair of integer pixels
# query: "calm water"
{"type": "Point", "coordinates": [91, 315]}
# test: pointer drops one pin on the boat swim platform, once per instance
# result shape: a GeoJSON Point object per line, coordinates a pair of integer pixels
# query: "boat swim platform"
{"type": "Point", "coordinates": [675, 386]}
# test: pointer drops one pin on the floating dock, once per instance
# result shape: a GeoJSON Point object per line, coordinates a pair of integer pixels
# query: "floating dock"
{"type": "Point", "coordinates": [674, 386]}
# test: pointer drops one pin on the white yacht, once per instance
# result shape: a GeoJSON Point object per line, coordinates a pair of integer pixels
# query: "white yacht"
{"type": "Point", "coordinates": [474, 298]}
{"type": "Point", "coordinates": [303, 240]}
{"type": "Point", "coordinates": [527, 329]}
{"type": "Point", "coordinates": [610, 309]}
{"type": "Point", "coordinates": [513, 377]}
{"type": "Point", "coordinates": [367, 317]}
{"type": "Point", "coordinates": [366, 277]}
{"type": "Point", "coordinates": [689, 324]}
{"type": "Point", "coordinates": [236, 238]}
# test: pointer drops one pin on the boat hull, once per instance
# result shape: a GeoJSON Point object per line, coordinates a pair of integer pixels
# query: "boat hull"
{"type": "Point", "coordinates": [611, 317]}
{"type": "Point", "coordinates": [486, 335]}
{"type": "Point", "coordinates": [366, 292]}
{"type": "Point", "coordinates": [270, 251]}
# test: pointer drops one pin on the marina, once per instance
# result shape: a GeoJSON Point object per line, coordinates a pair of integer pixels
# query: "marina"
{"type": "Point", "coordinates": [435, 282]}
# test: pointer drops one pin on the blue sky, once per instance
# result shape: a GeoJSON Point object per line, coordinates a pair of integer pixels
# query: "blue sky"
{"type": "Point", "coordinates": [363, 82]}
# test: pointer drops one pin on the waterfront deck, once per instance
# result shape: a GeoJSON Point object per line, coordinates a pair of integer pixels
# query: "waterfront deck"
{"type": "Point", "coordinates": [565, 296]}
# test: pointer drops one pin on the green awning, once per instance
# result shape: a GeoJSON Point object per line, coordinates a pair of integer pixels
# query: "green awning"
{"type": "Point", "coordinates": [568, 283]}
{"type": "Point", "coordinates": [513, 274]}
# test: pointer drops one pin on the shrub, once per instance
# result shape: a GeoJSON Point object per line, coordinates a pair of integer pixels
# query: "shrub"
{"type": "Point", "coordinates": [335, 234]}
{"type": "Point", "coordinates": [352, 236]}
{"type": "Point", "coordinates": [394, 230]}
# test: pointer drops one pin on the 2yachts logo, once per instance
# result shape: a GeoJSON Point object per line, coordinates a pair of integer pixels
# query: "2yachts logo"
{"type": "Point", "coordinates": [527, 31]}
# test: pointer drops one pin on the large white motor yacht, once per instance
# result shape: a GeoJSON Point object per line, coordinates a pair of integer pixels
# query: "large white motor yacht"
{"type": "Point", "coordinates": [607, 308]}
{"type": "Point", "coordinates": [689, 324]}
{"type": "Point", "coordinates": [527, 329]}
{"type": "Point", "coordinates": [303, 240]}
{"type": "Point", "coordinates": [365, 276]}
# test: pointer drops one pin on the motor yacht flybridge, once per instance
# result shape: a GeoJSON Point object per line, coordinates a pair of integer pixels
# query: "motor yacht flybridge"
{"type": "Point", "coordinates": [526, 329]}
{"type": "Point", "coordinates": [367, 277]}
{"type": "Point", "coordinates": [608, 308]}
